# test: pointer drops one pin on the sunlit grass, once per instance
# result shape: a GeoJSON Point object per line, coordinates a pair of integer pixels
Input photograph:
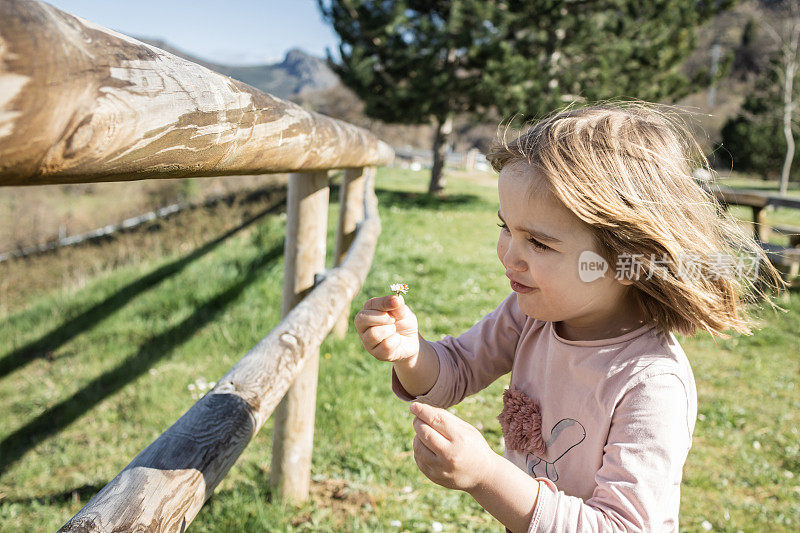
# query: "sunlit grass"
{"type": "Point", "coordinates": [83, 410]}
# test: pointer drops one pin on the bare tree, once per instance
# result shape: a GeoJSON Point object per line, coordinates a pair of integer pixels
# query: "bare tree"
{"type": "Point", "coordinates": [786, 34]}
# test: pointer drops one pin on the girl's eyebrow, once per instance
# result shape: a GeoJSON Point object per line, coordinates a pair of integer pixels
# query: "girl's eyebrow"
{"type": "Point", "coordinates": [536, 233]}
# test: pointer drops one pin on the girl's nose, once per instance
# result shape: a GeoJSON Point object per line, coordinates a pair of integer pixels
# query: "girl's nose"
{"type": "Point", "coordinates": [513, 260]}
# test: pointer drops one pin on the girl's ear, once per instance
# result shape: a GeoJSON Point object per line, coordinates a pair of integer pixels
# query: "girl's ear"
{"type": "Point", "coordinates": [625, 281]}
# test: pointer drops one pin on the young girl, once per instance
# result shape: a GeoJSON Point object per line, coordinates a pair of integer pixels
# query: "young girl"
{"type": "Point", "coordinates": [609, 246]}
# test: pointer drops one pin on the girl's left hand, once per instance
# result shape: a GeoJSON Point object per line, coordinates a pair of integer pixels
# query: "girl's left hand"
{"type": "Point", "coordinates": [448, 450]}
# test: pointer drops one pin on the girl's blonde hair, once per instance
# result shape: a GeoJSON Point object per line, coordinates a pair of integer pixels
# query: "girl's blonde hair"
{"type": "Point", "coordinates": [626, 170]}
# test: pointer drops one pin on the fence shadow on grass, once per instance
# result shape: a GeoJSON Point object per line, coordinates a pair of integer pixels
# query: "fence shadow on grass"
{"type": "Point", "coordinates": [90, 318]}
{"type": "Point", "coordinates": [78, 494]}
{"type": "Point", "coordinates": [421, 200]}
{"type": "Point", "coordinates": [59, 416]}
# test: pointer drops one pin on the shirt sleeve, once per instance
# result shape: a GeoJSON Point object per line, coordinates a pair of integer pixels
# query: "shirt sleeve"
{"type": "Point", "coordinates": [473, 360]}
{"type": "Point", "coordinates": [638, 484]}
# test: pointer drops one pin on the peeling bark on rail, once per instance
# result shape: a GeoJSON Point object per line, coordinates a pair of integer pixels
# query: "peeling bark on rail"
{"type": "Point", "coordinates": [165, 486]}
{"type": "Point", "coordinates": [82, 103]}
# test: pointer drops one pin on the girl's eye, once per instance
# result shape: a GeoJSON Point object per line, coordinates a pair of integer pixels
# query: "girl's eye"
{"type": "Point", "coordinates": [536, 244]}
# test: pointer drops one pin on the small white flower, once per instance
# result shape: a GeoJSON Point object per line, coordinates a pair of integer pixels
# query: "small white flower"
{"type": "Point", "coordinates": [436, 527]}
{"type": "Point", "coordinates": [395, 523]}
{"type": "Point", "coordinates": [408, 489]}
{"type": "Point", "coordinates": [756, 445]}
{"type": "Point", "coordinates": [398, 288]}
{"type": "Point", "coordinates": [706, 525]}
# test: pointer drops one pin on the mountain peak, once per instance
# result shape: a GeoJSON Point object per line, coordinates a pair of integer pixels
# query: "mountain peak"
{"type": "Point", "coordinates": [297, 54]}
{"type": "Point", "coordinates": [312, 72]}
{"type": "Point", "coordinates": [298, 72]}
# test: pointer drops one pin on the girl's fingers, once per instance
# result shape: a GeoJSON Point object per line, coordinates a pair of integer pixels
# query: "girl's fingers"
{"type": "Point", "coordinates": [432, 439]}
{"type": "Point", "coordinates": [375, 317]}
{"type": "Point", "coordinates": [377, 334]}
{"type": "Point", "coordinates": [402, 311]}
{"type": "Point", "coordinates": [367, 318]}
{"type": "Point", "coordinates": [384, 349]}
{"type": "Point", "coordinates": [441, 420]}
{"type": "Point", "coordinates": [384, 303]}
{"type": "Point", "coordinates": [422, 454]}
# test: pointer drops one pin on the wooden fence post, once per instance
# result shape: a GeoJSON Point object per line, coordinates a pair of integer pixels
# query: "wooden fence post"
{"type": "Point", "coordinates": [351, 212]}
{"type": "Point", "coordinates": [293, 435]}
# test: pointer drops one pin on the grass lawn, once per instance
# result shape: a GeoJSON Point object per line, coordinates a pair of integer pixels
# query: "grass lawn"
{"type": "Point", "coordinates": [81, 403]}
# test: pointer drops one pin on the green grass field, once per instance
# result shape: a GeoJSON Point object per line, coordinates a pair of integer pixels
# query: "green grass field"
{"type": "Point", "coordinates": [90, 375]}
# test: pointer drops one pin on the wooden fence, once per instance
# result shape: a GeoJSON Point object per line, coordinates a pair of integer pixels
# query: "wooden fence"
{"type": "Point", "coordinates": [81, 103]}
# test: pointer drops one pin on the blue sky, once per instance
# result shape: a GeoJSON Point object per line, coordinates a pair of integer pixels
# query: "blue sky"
{"type": "Point", "coordinates": [231, 32]}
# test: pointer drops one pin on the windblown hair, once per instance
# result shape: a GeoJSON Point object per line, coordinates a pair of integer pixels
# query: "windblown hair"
{"type": "Point", "coordinates": [626, 170]}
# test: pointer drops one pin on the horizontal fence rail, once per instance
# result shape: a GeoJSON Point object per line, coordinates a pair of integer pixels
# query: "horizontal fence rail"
{"type": "Point", "coordinates": [82, 103]}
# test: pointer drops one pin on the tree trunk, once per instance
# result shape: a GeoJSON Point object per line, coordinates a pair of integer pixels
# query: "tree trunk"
{"type": "Point", "coordinates": [443, 129]}
{"type": "Point", "coordinates": [790, 62]}
{"type": "Point", "coordinates": [787, 125]}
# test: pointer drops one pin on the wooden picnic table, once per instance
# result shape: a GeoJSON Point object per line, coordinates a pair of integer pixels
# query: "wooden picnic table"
{"type": "Point", "coordinates": [758, 201]}
{"type": "Point", "coordinates": [786, 258]}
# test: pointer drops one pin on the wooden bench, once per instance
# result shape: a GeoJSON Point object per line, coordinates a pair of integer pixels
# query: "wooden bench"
{"type": "Point", "coordinates": [786, 260]}
{"type": "Point", "coordinates": [793, 232]}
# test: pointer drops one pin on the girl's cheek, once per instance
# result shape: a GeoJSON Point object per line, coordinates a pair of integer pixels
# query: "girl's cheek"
{"type": "Point", "coordinates": [502, 247]}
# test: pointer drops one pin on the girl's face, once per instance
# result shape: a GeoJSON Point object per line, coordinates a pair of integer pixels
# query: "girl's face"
{"type": "Point", "coordinates": [540, 244]}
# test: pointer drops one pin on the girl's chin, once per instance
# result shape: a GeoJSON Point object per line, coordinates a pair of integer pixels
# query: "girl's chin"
{"type": "Point", "coordinates": [531, 306]}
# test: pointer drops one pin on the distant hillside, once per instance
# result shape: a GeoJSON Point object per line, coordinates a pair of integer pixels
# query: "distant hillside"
{"type": "Point", "coordinates": [298, 73]}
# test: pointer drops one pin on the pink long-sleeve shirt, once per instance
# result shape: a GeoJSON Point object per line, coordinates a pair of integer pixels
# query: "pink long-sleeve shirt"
{"type": "Point", "coordinates": [617, 416]}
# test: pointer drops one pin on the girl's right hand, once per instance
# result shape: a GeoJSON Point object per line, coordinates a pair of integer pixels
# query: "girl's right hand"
{"type": "Point", "coordinates": [388, 329]}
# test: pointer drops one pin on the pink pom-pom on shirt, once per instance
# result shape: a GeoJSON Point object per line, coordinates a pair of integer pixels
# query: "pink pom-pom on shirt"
{"type": "Point", "coordinates": [521, 422]}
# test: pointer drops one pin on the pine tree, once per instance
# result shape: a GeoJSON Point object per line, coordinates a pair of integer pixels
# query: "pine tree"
{"type": "Point", "coordinates": [417, 61]}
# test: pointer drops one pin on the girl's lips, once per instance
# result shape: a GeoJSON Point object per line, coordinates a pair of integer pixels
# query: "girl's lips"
{"type": "Point", "coordinates": [520, 288]}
